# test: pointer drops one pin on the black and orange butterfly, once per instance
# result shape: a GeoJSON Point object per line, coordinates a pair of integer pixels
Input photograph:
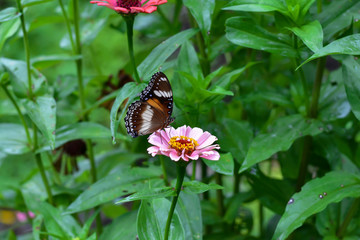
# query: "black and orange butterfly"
{"type": "Point", "coordinates": [153, 111]}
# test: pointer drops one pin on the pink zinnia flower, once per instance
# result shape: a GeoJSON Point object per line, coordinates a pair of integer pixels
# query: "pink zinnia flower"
{"type": "Point", "coordinates": [183, 142]}
{"type": "Point", "coordinates": [131, 6]}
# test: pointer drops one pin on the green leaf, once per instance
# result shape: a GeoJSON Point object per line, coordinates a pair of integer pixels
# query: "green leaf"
{"type": "Point", "coordinates": [199, 187]}
{"type": "Point", "coordinates": [235, 202]}
{"type": "Point", "coordinates": [13, 139]}
{"type": "Point", "coordinates": [149, 194]}
{"type": "Point", "coordinates": [189, 210]}
{"type": "Point", "coordinates": [225, 165]}
{"type": "Point", "coordinates": [120, 183]}
{"type": "Point", "coordinates": [320, 192]}
{"type": "Point", "coordinates": [129, 90]}
{"type": "Point", "coordinates": [87, 225]}
{"type": "Point", "coordinates": [159, 54]}
{"type": "Point", "coordinates": [202, 11]}
{"type": "Point", "coordinates": [188, 61]}
{"type": "Point", "coordinates": [7, 30]}
{"type": "Point", "coordinates": [36, 224]}
{"type": "Point", "coordinates": [9, 14]}
{"type": "Point", "coordinates": [19, 79]}
{"type": "Point", "coordinates": [351, 75]}
{"type": "Point", "coordinates": [285, 131]}
{"type": "Point", "coordinates": [81, 130]}
{"type": "Point", "coordinates": [311, 34]}
{"type": "Point", "coordinates": [336, 16]}
{"type": "Point", "coordinates": [128, 228]}
{"type": "Point", "coordinates": [40, 21]}
{"type": "Point", "coordinates": [42, 112]}
{"type": "Point", "coordinates": [49, 60]}
{"type": "Point", "coordinates": [257, 6]}
{"type": "Point", "coordinates": [28, 3]}
{"type": "Point", "coordinates": [347, 45]}
{"type": "Point", "coordinates": [242, 31]}
{"type": "Point", "coordinates": [152, 218]}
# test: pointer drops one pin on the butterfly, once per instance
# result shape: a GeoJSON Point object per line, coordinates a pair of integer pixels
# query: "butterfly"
{"type": "Point", "coordinates": [153, 111]}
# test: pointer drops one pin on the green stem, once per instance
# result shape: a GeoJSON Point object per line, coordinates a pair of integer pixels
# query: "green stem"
{"type": "Point", "coordinates": [162, 162]}
{"type": "Point", "coordinates": [129, 19]}
{"type": "Point", "coordinates": [180, 169]}
{"type": "Point", "coordinates": [177, 11]}
{"type": "Point", "coordinates": [193, 175]}
{"type": "Point", "coordinates": [68, 26]}
{"type": "Point", "coordinates": [261, 220]}
{"type": "Point", "coordinates": [219, 195]}
{"type": "Point", "coordinates": [43, 176]}
{"type": "Point", "coordinates": [319, 6]}
{"type": "Point", "coordinates": [312, 114]}
{"type": "Point", "coordinates": [27, 48]}
{"type": "Point", "coordinates": [22, 119]}
{"type": "Point", "coordinates": [236, 189]}
{"type": "Point", "coordinates": [350, 214]}
{"type": "Point", "coordinates": [90, 151]}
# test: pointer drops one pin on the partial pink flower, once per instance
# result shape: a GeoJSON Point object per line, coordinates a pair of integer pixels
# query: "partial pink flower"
{"type": "Point", "coordinates": [22, 217]}
{"type": "Point", "coordinates": [184, 142]}
{"type": "Point", "coordinates": [131, 6]}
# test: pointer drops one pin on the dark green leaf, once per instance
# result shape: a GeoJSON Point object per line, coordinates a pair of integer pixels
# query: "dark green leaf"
{"type": "Point", "coordinates": [114, 185]}
{"type": "Point", "coordinates": [13, 139]}
{"type": "Point", "coordinates": [128, 228]}
{"type": "Point", "coordinates": [149, 194]}
{"type": "Point", "coordinates": [242, 31]}
{"type": "Point", "coordinates": [202, 11]}
{"type": "Point", "coordinates": [311, 34]}
{"type": "Point", "coordinates": [152, 218]}
{"type": "Point", "coordinates": [43, 113]}
{"type": "Point", "coordinates": [199, 187]}
{"type": "Point", "coordinates": [86, 228]}
{"type": "Point", "coordinates": [189, 210]}
{"type": "Point", "coordinates": [257, 6]}
{"type": "Point", "coordinates": [285, 131]}
{"type": "Point", "coordinates": [235, 202]}
{"type": "Point", "coordinates": [347, 45]}
{"type": "Point", "coordinates": [351, 75]}
{"type": "Point", "coordinates": [320, 192]}
{"type": "Point", "coordinates": [158, 55]}
{"type": "Point", "coordinates": [9, 14]}
{"type": "Point", "coordinates": [129, 90]}
{"type": "Point", "coordinates": [225, 165]}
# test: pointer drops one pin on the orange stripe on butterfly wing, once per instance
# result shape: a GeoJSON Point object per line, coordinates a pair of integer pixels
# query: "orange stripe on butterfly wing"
{"type": "Point", "coordinates": [155, 103]}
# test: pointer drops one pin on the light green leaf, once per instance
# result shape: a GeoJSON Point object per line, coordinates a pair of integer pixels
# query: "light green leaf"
{"type": "Point", "coordinates": [129, 90]}
{"type": "Point", "coordinates": [42, 112]}
{"type": "Point", "coordinates": [107, 189]}
{"type": "Point", "coordinates": [257, 6]}
{"type": "Point", "coordinates": [202, 11]}
{"type": "Point", "coordinates": [158, 55]}
{"type": "Point", "coordinates": [347, 45]}
{"type": "Point", "coordinates": [28, 3]}
{"type": "Point", "coordinates": [13, 139]}
{"type": "Point", "coordinates": [225, 165]}
{"type": "Point", "coordinates": [9, 14]}
{"type": "Point", "coordinates": [7, 30]}
{"type": "Point", "coordinates": [243, 32]}
{"type": "Point", "coordinates": [320, 192]}
{"type": "Point", "coordinates": [285, 131]}
{"type": "Point", "coordinates": [199, 187]}
{"type": "Point", "coordinates": [351, 74]}
{"type": "Point", "coordinates": [49, 60]}
{"type": "Point", "coordinates": [149, 194]}
{"type": "Point", "coordinates": [311, 34]}
{"type": "Point", "coordinates": [152, 218]}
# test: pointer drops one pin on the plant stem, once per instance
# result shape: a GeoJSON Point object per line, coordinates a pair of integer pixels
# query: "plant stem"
{"type": "Point", "coordinates": [22, 119]}
{"type": "Point", "coordinates": [129, 19]}
{"type": "Point", "coordinates": [193, 174]}
{"type": "Point", "coordinates": [236, 189]}
{"type": "Point", "coordinates": [312, 114]}
{"type": "Point", "coordinates": [89, 146]}
{"type": "Point", "coordinates": [27, 49]}
{"type": "Point", "coordinates": [68, 26]}
{"type": "Point", "coordinates": [220, 196]}
{"type": "Point", "coordinates": [162, 162]}
{"type": "Point", "coordinates": [319, 6]}
{"type": "Point", "coordinates": [177, 11]}
{"type": "Point", "coordinates": [353, 209]}
{"type": "Point", "coordinates": [180, 169]}
{"type": "Point", "coordinates": [31, 98]}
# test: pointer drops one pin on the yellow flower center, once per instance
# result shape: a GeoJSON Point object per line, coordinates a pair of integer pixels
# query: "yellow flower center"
{"type": "Point", "coordinates": [182, 142]}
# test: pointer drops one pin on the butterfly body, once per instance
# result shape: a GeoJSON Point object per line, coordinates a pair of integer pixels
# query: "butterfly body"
{"type": "Point", "coordinates": [153, 111]}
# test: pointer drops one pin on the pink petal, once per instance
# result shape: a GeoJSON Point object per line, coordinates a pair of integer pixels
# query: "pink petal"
{"type": "Point", "coordinates": [206, 139]}
{"type": "Point", "coordinates": [211, 155]}
{"type": "Point", "coordinates": [145, 9]}
{"type": "Point", "coordinates": [157, 140]}
{"type": "Point", "coordinates": [165, 135]}
{"type": "Point", "coordinates": [184, 156]}
{"type": "Point", "coordinates": [195, 133]}
{"type": "Point", "coordinates": [174, 156]}
{"type": "Point", "coordinates": [120, 9]}
{"type": "Point", "coordinates": [194, 155]}
{"type": "Point", "coordinates": [153, 150]}
{"type": "Point", "coordinates": [21, 217]}
{"type": "Point", "coordinates": [153, 2]}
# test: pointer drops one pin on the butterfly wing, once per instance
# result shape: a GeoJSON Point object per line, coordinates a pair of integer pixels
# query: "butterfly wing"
{"type": "Point", "coordinates": [154, 109]}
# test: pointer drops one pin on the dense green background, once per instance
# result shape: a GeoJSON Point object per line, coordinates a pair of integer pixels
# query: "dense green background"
{"type": "Point", "coordinates": [277, 81]}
